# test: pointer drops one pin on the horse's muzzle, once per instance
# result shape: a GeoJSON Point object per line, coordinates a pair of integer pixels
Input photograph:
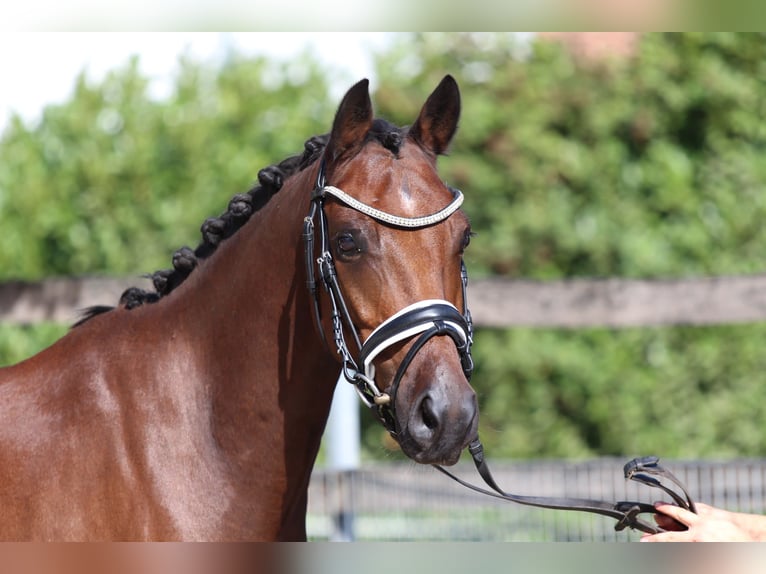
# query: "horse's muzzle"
{"type": "Point", "coordinates": [440, 422]}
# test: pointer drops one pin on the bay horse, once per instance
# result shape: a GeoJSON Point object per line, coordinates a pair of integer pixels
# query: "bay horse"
{"type": "Point", "coordinates": [195, 411]}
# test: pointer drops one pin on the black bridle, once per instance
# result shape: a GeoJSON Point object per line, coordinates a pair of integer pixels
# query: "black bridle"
{"type": "Point", "coordinates": [423, 321]}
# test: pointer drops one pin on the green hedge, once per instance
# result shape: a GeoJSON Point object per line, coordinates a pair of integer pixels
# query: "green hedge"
{"type": "Point", "coordinates": [20, 342]}
{"type": "Point", "coordinates": [112, 181]}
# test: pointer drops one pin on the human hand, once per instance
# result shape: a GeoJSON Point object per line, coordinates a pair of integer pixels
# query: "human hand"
{"type": "Point", "coordinates": [708, 525]}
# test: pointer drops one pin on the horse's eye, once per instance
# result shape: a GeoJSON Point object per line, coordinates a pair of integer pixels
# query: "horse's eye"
{"type": "Point", "coordinates": [466, 239]}
{"type": "Point", "coordinates": [346, 244]}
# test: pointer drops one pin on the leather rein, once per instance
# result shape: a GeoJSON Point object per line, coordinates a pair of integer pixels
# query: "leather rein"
{"type": "Point", "coordinates": [645, 470]}
{"type": "Point", "coordinates": [428, 319]}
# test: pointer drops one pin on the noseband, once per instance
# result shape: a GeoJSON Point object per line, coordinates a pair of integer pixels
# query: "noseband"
{"type": "Point", "coordinates": [424, 319]}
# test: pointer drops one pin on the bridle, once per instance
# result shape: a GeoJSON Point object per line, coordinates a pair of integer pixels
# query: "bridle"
{"type": "Point", "coordinates": [422, 321]}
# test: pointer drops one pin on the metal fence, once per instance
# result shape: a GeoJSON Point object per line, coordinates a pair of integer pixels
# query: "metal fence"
{"type": "Point", "coordinates": [404, 501]}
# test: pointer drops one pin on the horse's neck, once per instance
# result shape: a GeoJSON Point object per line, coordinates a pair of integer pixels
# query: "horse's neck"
{"type": "Point", "coordinates": [271, 380]}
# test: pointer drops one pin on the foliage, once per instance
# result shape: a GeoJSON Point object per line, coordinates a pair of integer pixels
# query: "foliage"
{"type": "Point", "coordinates": [112, 181]}
{"type": "Point", "coordinates": [20, 342]}
{"type": "Point", "coordinates": [647, 167]}
{"type": "Point", "coordinates": [676, 392]}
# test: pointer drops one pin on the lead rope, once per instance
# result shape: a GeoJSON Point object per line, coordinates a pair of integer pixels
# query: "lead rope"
{"type": "Point", "coordinates": [643, 470]}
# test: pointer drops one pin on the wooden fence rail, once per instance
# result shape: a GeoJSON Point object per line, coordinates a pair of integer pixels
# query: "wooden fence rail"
{"type": "Point", "coordinates": [494, 302]}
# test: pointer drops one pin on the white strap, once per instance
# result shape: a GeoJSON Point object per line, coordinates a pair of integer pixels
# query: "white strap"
{"type": "Point", "coordinates": [369, 368]}
{"type": "Point", "coordinates": [395, 219]}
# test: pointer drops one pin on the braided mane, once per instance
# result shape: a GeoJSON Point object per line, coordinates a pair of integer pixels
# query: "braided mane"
{"type": "Point", "coordinates": [241, 208]}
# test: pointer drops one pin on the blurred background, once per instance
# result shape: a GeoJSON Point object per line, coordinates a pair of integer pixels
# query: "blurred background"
{"type": "Point", "coordinates": [582, 156]}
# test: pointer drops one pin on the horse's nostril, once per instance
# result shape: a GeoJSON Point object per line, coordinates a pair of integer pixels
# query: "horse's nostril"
{"type": "Point", "coordinates": [430, 418]}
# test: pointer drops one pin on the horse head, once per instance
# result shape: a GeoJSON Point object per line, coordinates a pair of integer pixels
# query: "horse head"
{"type": "Point", "coordinates": [391, 259]}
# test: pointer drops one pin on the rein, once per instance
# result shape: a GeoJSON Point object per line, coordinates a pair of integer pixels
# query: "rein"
{"type": "Point", "coordinates": [425, 320]}
{"type": "Point", "coordinates": [627, 513]}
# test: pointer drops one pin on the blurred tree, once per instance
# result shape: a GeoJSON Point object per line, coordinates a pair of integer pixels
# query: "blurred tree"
{"type": "Point", "coordinates": [647, 166]}
{"type": "Point", "coordinates": [20, 342]}
{"type": "Point", "coordinates": [112, 181]}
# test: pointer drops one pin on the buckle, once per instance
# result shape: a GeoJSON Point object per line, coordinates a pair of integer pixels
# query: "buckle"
{"type": "Point", "coordinates": [645, 469]}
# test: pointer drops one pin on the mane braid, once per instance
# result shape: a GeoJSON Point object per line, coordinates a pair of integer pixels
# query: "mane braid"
{"type": "Point", "coordinates": [241, 207]}
{"type": "Point", "coordinates": [216, 229]}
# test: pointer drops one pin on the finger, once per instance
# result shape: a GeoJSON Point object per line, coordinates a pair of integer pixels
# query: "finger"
{"type": "Point", "coordinates": [664, 537]}
{"type": "Point", "coordinates": [703, 509]}
{"type": "Point", "coordinates": [680, 514]}
{"type": "Point", "coordinates": [668, 523]}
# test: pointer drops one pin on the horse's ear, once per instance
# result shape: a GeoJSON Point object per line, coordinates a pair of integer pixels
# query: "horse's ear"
{"type": "Point", "coordinates": [352, 121]}
{"type": "Point", "coordinates": [438, 119]}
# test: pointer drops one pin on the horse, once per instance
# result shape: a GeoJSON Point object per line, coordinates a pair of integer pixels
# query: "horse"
{"type": "Point", "coordinates": [195, 411]}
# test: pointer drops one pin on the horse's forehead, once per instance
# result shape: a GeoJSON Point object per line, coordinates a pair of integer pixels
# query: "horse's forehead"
{"type": "Point", "coordinates": [406, 182]}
